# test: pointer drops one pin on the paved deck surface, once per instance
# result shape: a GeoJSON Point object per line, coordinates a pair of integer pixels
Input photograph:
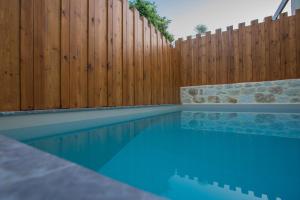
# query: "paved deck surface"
{"type": "Point", "coordinates": [29, 174]}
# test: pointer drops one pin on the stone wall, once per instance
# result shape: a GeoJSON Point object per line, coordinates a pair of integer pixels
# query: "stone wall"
{"type": "Point", "coordinates": [280, 92]}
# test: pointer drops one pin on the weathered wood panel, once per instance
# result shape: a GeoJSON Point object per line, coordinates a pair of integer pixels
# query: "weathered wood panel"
{"type": "Point", "coordinates": [65, 54]}
{"type": "Point", "coordinates": [100, 54]}
{"type": "Point", "coordinates": [259, 52]}
{"type": "Point", "coordinates": [230, 55]}
{"type": "Point", "coordinates": [242, 44]}
{"type": "Point", "coordinates": [115, 53]}
{"type": "Point", "coordinates": [224, 58]}
{"type": "Point", "coordinates": [9, 55]}
{"type": "Point", "coordinates": [236, 57]}
{"type": "Point", "coordinates": [267, 32]}
{"type": "Point", "coordinates": [291, 67]}
{"type": "Point", "coordinates": [160, 69]}
{"type": "Point", "coordinates": [47, 54]}
{"type": "Point", "coordinates": [78, 53]}
{"type": "Point", "coordinates": [212, 76]}
{"type": "Point", "coordinates": [147, 63]}
{"type": "Point", "coordinates": [128, 71]}
{"type": "Point", "coordinates": [26, 61]}
{"type": "Point", "coordinates": [81, 53]}
{"type": "Point", "coordinates": [138, 60]}
{"type": "Point", "coordinates": [275, 51]}
{"type": "Point", "coordinates": [155, 78]}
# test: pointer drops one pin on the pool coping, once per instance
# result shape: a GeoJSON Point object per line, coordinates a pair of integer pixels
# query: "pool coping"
{"type": "Point", "coordinates": [63, 110]}
{"type": "Point", "coordinates": [29, 174]}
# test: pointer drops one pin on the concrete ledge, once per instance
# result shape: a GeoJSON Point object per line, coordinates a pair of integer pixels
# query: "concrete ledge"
{"type": "Point", "coordinates": [26, 126]}
{"type": "Point", "coordinates": [29, 174]}
{"type": "Point", "coordinates": [49, 111]}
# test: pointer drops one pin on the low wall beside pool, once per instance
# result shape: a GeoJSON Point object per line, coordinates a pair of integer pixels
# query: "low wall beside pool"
{"type": "Point", "coordinates": [277, 92]}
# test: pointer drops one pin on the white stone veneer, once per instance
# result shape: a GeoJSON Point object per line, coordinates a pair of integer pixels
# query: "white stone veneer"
{"type": "Point", "coordinates": [277, 92]}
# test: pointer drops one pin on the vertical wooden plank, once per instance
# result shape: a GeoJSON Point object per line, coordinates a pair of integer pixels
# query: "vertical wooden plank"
{"type": "Point", "coordinates": [194, 76]}
{"type": "Point", "coordinates": [242, 45]}
{"type": "Point", "coordinates": [115, 53]}
{"type": "Point", "coordinates": [128, 72]}
{"type": "Point", "coordinates": [172, 72]}
{"type": "Point", "coordinates": [247, 54]}
{"type": "Point", "coordinates": [154, 66]}
{"type": "Point", "coordinates": [164, 72]}
{"type": "Point", "coordinates": [110, 52]}
{"type": "Point", "coordinates": [198, 60]}
{"type": "Point", "coordinates": [39, 52]}
{"type": "Point", "coordinates": [298, 41]}
{"type": "Point", "coordinates": [218, 56]}
{"type": "Point", "coordinates": [224, 57]}
{"type": "Point", "coordinates": [283, 43]}
{"type": "Point", "coordinates": [116, 98]}
{"type": "Point", "coordinates": [267, 30]}
{"type": "Point", "coordinates": [9, 55]}
{"type": "Point", "coordinates": [179, 66]}
{"type": "Point", "coordinates": [124, 51]}
{"type": "Point", "coordinates": [47, 54]}
{"type": "Point", "coordinates": [177, 52]}
{"type": "Point", "coordinates": [291, 56]}
{"type": "Point", "coordinates": [91, 54]}
{"type": "Point", "coordinates": [26, 61]}
{"type": "Point", "coordinates": [138, 59]}
{"type": "Point", "coordinates": [261, 52]}
{"type": "Point", "coordinates": [183, 63]}
{"type": "Point", "coordinates": [255, 51]}
{"type": "Point", "coordinates": [230, 58]}
{"type": "Point", "coordinates": [204, 66]}
{"type": "Point", "coordinates": [276, 69]}
{"type": "Point", "coordinates": [236, 64]}
{"type": "Point", "coordinates": [170, 85]}
{"type": "Point", "coordinates": [169, 73]}
{"type": "Point", "coordinates": [160, 69]}
{"type": "Point", "coordinates": [141, 61]}
{"type": "Point", "coordinates": [53, 54]}
{"type": "Point", "coordinates": [189, 61]}
{"type": "Point", "coordinates": [100, 53]}
{"type": "Point", "coordinates": [213, 65]}
{"type": "Point", "coordinates": [174, 67]}
{"type": "Point", "coordinates": [79, 53]}
{"type": "Point", "coordinates": [147, 62]}
{"type": "Point", "coordinates": [65, 54]}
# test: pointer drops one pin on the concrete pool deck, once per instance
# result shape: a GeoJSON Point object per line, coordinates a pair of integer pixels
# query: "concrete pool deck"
{"type": "Point", "coordinates": [29, 174]}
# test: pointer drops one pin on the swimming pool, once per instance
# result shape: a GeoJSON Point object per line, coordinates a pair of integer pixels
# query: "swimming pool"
{"type": "Point", "coordinates": [190, 154]}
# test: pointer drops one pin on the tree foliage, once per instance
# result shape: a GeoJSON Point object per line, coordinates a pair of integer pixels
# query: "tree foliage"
{"type": "Point", "coordinates": [201, 29]}
{"type": "Point", "coordinates": [149, 10]}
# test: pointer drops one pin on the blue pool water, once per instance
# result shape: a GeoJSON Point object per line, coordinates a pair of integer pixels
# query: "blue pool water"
{"type": "Point", "coordinates": [193, 155]}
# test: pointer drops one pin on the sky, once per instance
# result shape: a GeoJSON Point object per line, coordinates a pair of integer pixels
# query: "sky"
{"type": "Point", "coordinates": [186, 14]}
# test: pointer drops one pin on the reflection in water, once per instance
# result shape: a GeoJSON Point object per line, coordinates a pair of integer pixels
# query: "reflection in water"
{"type": "Point", "coordinates": [185, 156]}
{"type": "Point", "coordinates": [283, 125]}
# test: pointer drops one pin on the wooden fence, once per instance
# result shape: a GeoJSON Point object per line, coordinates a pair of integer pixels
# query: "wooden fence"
{"type": "Point", "coordinates": [82, 53]}
{"type": "Point", "coordinates": [93, 53]}
{"type": "Point", "coordinates": [259, 52]}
